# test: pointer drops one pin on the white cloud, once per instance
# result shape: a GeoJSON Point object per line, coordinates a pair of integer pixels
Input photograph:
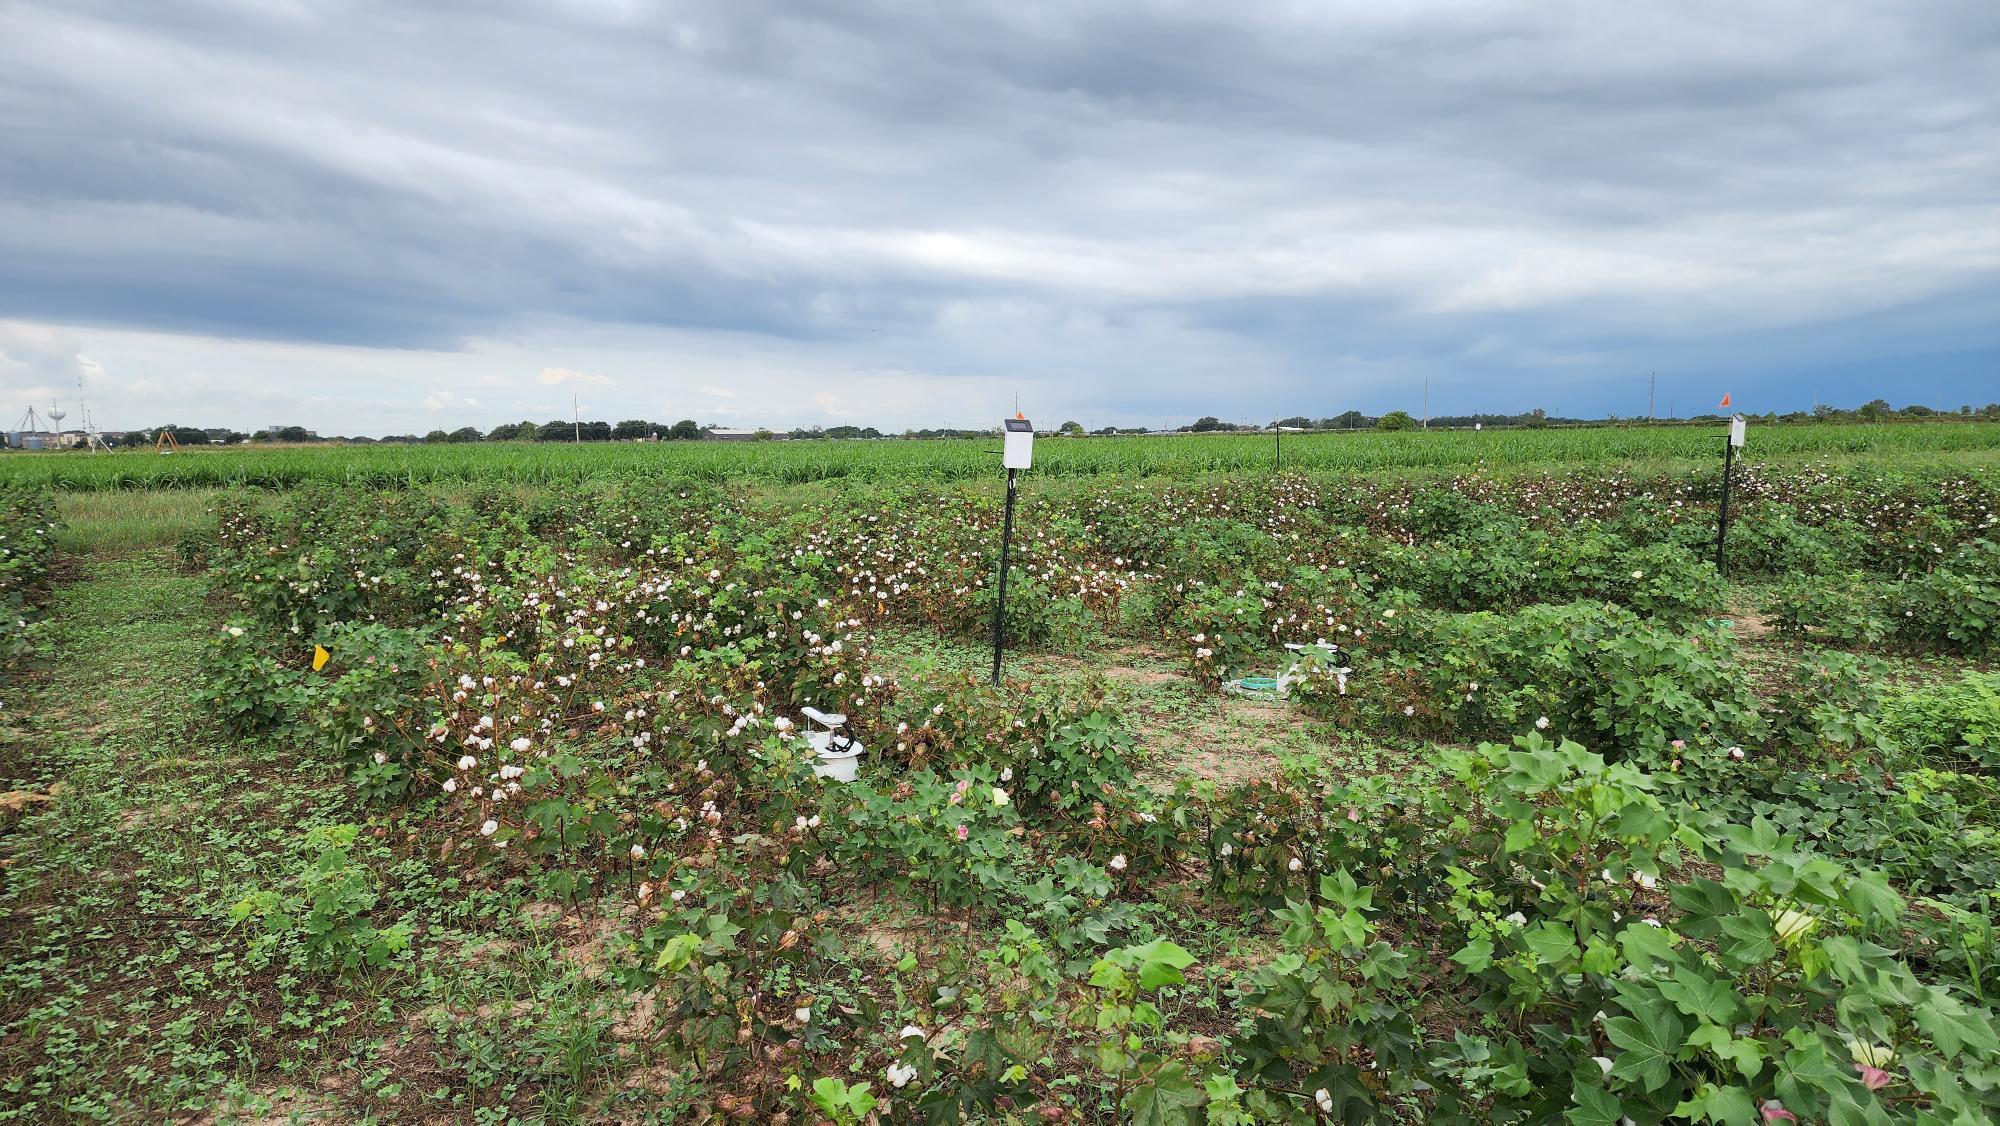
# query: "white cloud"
{"type": "Point", "coordinates": [718, 392]}
{"type": "Point", "coordinates": [556, 377]}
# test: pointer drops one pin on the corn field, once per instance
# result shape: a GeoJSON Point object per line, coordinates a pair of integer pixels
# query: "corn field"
{"type": "Point", "coordinates": [796, 462]}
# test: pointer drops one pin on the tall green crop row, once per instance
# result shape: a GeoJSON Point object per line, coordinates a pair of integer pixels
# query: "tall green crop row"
{"type": "Point", "coordinates": [933, 460]}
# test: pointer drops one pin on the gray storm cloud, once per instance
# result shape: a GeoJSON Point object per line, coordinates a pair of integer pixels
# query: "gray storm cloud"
{"type": "Point", "coordinates": [912, 210]}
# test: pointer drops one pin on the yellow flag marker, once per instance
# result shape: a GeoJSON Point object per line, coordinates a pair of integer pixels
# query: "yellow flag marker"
{"type": "Point", "coordinates": [320, 657]}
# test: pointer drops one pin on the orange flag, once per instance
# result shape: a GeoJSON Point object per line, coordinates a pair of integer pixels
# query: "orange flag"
{"type": "Point", "coordinates": [1725, 398]}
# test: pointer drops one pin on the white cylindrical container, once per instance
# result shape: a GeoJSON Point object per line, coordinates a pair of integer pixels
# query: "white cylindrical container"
{"type": "Point", "coordinates": [839, 765]}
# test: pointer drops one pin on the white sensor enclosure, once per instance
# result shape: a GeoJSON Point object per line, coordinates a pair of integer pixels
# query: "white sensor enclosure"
{"type": "Point", "coordinates": [1736, 428]}
{"type": "Point", "coordinates": [1020, 438]}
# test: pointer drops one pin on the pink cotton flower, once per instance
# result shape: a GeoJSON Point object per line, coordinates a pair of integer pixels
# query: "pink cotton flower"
{"type": "Point", "coordinates": [964, 831]}
{"type": "Point", "coordinates": [1774, 1111]}
{"type": "Point", "coordinates": [1874, 1078]}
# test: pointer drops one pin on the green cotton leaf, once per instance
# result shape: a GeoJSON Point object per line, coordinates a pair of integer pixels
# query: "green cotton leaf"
{"type": "Point", "coordinates": [1170, 1099]}
{"type": "Point", "coordinates": [1645, 944]}
{"type": "Point", "coordinates": [1650, 1041]}
{"type": "Point", "coordinates": [1718, 1104]}
{"type": "Point", "coordinates": [1951, 1026]}
{"type": "Point", "coordinates": [1161, 963]}
{"type": "Point", "coordinates": [1475, 956]}
{"type": "Point", "coordinates": [1551, 943]}
{"type": "Point", "coordinates": [1700, 900]}
{"type": "Point", "coordinates": [1747, 1055]}
{"type": "Point", "coordinates": [1871, 898]}
{"type": "Point", "coordinates": [1759, 839]}
{"type": "Point", "coordinates": [1594, 1106]}
{"type": "Point", "coordinates": [1697, 995]}
{"type": "Point", "coordinates": [1520, 835]}
{"type": "Point", "coordinates": [675, 954]}
{"type": "Point", "coordinates": [1601, 958]}
{"type": "Point", "coordinates": [1843, 1110]}
{"type": "Point", "coordinates": [1751, 941]}
{"type": "Point", "coordinates": [1105, 974]}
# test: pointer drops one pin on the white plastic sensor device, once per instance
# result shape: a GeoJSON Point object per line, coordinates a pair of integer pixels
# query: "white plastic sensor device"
{"type": "Point", "coordinates": [1020, 448]}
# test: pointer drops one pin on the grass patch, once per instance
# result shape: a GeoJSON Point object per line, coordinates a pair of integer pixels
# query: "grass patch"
{"type": "Point", "coordinates": [123, 523]}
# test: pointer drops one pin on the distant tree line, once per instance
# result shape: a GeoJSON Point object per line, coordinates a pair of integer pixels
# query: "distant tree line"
{"type": "Point", "coordinates": [1877, 410]}
{"type": "Point", "coordinates": [569, 430]}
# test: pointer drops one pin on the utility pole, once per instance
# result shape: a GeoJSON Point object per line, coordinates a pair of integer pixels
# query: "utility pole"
{"type": "Point", "coordinates": [576, 420]}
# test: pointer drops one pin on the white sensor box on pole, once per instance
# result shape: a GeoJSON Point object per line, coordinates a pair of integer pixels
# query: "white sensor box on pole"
{"type": "Point", "coordinates": [1736, 428]}
{"type": "Point", "coordinates": [1020, 448]}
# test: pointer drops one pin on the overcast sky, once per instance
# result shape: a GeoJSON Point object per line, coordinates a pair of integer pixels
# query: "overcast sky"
{"type": "Point", "coordinates": [375, 218]}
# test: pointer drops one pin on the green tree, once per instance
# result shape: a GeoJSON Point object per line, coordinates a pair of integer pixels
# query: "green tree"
{"type": "Point", "coordinates": [1072, 428]}
{"type": "Point", "coordinates": [1395, 420]}
{"type": "Point", "coordinates": [685, 430]}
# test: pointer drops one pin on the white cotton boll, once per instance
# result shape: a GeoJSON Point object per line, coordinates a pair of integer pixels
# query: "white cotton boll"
{"type": "Point", "coordinates": [521, 744]}
{"type": "Point", "coordinates": [467, 762]}
{"type": "Point", "coordinates": [638, 852]}
{"type": "Point", "coordinates": [451, 785]}
{"type": "Point", "coordinates": [804, 1013]}
{"type": "Point", "coordinates": [1118, 863]}
{"type": "Point", "coordinates": [489, 828]}
{"type": "Point", "coordinates": [1295, 865]}
{"type": "Point", "coordinates": [1324, 1100]}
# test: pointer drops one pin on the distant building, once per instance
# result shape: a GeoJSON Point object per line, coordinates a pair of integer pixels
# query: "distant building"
{"type": "Point", "coordinates": [736, 434]}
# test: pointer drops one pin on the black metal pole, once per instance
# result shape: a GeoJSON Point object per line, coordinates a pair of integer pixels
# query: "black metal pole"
{"type": "Point", "coordinates": [1000, 603]}
{"type": "Point", "coordinates": [1722, 525]}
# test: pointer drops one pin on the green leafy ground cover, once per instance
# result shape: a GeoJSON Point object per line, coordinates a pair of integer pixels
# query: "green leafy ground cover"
{"type": "Point", "coordinates": [1593, 834]}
